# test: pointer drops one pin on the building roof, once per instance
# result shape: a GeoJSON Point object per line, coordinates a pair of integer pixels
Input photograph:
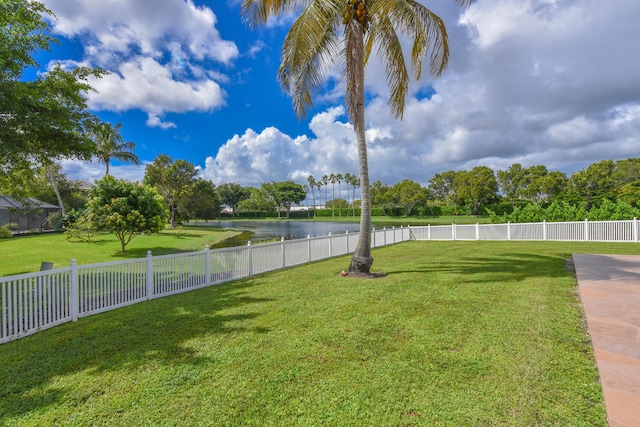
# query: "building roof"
{"type": "Point", "coordinates": [7, 202]}
{"type": "Point", "coordinates": [82, 185]}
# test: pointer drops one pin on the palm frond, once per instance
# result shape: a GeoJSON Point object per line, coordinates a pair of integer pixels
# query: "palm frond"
{"type": "Point", "coordinates": [308, 52]}
{"type": "Point", "coordinates": [390, 52]}
{"type": "Point", "coordinates": [257, 12]}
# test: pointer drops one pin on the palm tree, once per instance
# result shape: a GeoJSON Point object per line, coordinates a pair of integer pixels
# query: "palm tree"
{"type": "Point", "coordinates": [355, 182]}
{"type": "Point", "coordinates": [339, 178]}
{"type": "Point", "coordinates": [317, 40]}
{"type": "Point", "coordinates": [347, 180]}
{"type": "Point", "coordinates": [332, 180]}
{"type": "Point", "coordinates": [110, 145]}
{"type": "Point", "coordinates": [312, 187]}
{"type": "Point", "coordinates": [325, 182]}
{"type": "Point", "coordinates": [319, 185]}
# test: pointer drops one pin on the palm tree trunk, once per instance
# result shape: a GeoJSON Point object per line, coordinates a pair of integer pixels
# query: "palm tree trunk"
{"type": "Point", "coordinates": [361, 260]}
{"type": "Point", "coordinates": [54, 184]}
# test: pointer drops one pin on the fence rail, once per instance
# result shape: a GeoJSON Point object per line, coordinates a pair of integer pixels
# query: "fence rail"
{"type": "Point", "coordinates": [35, 301]}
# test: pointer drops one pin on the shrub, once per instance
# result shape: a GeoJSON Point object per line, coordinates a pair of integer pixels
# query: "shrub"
{"type": "Point", "coordinates": [5, 233]}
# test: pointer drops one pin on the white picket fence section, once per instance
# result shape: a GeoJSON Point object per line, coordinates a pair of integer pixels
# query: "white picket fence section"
{"type": "Point", "coordinates": [33, 302]}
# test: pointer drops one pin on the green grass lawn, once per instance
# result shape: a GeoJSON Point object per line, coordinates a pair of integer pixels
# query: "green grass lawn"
{"type": "Point", "coordinates": [25, 253]}
{"type": "Point", "coordinates": [456, 334]}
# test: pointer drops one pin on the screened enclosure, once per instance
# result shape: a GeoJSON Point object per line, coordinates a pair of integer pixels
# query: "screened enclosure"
{"type": "Point", "coordinates": [30, 215]}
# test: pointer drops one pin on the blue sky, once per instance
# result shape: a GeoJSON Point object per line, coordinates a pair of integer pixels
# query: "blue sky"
{"type": "Point", "coordinates": [553, 82]}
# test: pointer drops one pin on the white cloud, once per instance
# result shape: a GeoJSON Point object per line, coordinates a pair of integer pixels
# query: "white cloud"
{"type": "Point", "coordinates": [155, 121]}
{"type": "Point", "coordinates": [156, 51]}
{"type": "Point", "coordinates": [145, 84]}
{"type": "Point", "coordinates": [92, 171]}
{"type": "Point", "coordinates": [553, 82]}
{"type": "Point", "coordinates": [123, 26]}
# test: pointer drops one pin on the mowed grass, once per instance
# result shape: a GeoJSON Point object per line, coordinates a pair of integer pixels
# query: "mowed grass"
{"type": "Point", "coordinates": [25, 253]}
{"type": "Point", "coordinates": [456, 334]}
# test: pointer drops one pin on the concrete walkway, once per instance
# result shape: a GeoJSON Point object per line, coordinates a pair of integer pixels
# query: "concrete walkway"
{"type": "Point", "coordinates": [610, 291]}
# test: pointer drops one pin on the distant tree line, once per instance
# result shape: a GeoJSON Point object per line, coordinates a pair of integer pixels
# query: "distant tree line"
{"type": "Point", "coordinates": [515, 194]}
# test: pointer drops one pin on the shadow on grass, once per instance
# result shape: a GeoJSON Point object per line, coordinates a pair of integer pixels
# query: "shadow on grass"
{"type": "Point", "coordinates": [495, 268]}
{"type": "Point", "coordinates": [142, 252]}
{"type": "Point", "coordinates": [123, 340]}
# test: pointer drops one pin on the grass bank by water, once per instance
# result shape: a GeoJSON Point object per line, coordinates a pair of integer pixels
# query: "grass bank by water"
{"type": "Point", "coordinates": [457, 333]}
{"type": "Point", "coordinates": [25, 253]}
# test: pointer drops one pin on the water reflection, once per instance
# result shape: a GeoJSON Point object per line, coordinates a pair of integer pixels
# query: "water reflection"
{"type": "Point", "coordinates": [268, 230]}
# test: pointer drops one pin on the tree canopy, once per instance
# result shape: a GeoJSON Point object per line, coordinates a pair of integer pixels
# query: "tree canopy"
{"type": "Point", "coordinates": [42, 119]}
{"type": "Point", "coordinates": [172, 179]}
{"type": "Point", "coordinates": [126, 209]}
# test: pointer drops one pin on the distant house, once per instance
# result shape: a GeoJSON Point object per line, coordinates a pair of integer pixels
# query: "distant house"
{"type": "Point", "coordinates": [81, 185]}
{"type": "Point", "coordinates": [21, 216]}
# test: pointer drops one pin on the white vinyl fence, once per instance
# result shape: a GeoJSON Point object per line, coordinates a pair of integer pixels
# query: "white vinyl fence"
{"type": "Point", "coordinates": [35, 301]}
{"type": "Point", "coordinates": [32, 302]}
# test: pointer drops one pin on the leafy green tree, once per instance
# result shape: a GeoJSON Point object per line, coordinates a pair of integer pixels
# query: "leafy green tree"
{"type": "Point", "coordinates": [41, 119]}
{"type": "Point", "coordinates": [409, 194]}
{"type": "Point", "coordinates": [126, 209]}
{"type": "Point", "coordinates": [338, 203]}
{"type": "Point", "coordinates": [231, 194]}
{"type": "Point", "coordinates": [442, 187]}
{"type": "Point", "coordinates": [512, 182]}
{"type": "Point", "coordinates": [110, 145]}
{"type": "Point", "coordinates": [329, 31]}
{"type": "Point", "coordinates": [477, 186]}
{"type": "Point", "coordinates": [381, 195]}
{"type": "Point", "coordinates": [593, 183]}
{"type": "Point", "coordinates": [613, 211]}
{"type": "Point", "coordinates": [172, 179]}
{"type": "Point", "coordinates": [284, 194]}
{"type": "Point", "coordinates": [626, 171]}
{"type": "Point", "coordinates": [630, 193]}
{"type": "Point", "coordinates": [548, 187]}
{"type": "Point", "coordinates": [256, 202]}
{"type": "Point", "coordinates": [199, 201]}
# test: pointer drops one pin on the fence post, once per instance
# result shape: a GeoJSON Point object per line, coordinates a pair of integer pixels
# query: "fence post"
{"type": "Point", "coordinates": [477, 231]}
{"type": "Point", "coordinates": [347, 234]}
{"type": "Point", "coordinates": [544, 229]}
{"type": "Point", "coordinates": [586, 230]}
{"type": "Point", "coordinates": [250, 257]}
{"type": "Point", "coordinates": [149, 276]}
{"type": "Point", "coordinates": [282, 246]}
{"type": "Point", "coordinates": [428, 231]}
{"type": "Point", "coordinates": [207, 266]}
{"type": "Point", "coordinates": [75, 291]}
{"type": "Point", "coordinates": [393, 229]}
{"type": "Point", "coordinates": [635, 230]}
{"type": "Point", "coordinates": [373, 237]}
{"type": "Point", "coordinates": [384, 233]}
{"type": "Point", "coordinates": [508, 230]}
{"type": "Point", "coordinates": [308, 247]}
{"type": "Point", "coordinates": [453, 231]}
{"type": "Point", "coordinates": [409, 231]}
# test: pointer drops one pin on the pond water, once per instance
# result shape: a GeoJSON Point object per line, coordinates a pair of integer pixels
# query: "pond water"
{"type": "Point", "coordinates": [267, 230]}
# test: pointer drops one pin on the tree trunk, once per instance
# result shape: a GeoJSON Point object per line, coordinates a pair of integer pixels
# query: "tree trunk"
{"type": "Point", "coordinates": [361, 260]}
{"type": "Point", "coordinates": [54, 184]}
